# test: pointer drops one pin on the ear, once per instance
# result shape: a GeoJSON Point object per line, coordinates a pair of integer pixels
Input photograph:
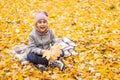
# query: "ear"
{"type": "Point", "coordinates": [36, 25]}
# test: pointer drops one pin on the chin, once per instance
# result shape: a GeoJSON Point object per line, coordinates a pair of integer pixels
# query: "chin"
{"type": "Point", "coordinates": [42, 30]}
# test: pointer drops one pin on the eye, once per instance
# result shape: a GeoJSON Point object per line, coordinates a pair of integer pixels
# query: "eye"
{"type": "Point", "coordinates": [39, 22]}
{"type": "Point", "coordinates": [44, 21]}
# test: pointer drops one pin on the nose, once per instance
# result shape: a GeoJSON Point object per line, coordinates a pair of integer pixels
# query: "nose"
{"type": "Point", "coordinates": [42, 23]}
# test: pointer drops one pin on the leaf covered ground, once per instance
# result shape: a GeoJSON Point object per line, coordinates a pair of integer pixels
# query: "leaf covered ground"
{"type": "Point", "coordinates": [94, 25]}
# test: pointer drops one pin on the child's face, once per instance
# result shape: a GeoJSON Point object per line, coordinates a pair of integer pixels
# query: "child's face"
{"type": "Point", "coordinates": [42, 25]}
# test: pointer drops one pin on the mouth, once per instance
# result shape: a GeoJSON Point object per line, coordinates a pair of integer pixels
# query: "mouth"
{"type": "Point", "coordinates": [42, 28]}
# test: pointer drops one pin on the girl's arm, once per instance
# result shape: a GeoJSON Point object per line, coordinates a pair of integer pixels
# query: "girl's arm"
{"type": "Point", "coordinates": [52, 37]}
{"type": "Point", "coordinates": [32, 46]}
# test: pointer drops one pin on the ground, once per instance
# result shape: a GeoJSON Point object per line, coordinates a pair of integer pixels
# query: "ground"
{"type": "Point", "coordinates": [94, 25]}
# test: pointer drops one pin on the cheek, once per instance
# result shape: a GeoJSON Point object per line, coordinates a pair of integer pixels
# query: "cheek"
{"type": "Point", "coordinates": [37, 24]}
{"type": "Point", "coordinates": [46, 24]}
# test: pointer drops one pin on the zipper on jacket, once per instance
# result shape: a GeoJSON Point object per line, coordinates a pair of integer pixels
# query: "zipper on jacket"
{"type": "Point", "coordinates": [42, 43]}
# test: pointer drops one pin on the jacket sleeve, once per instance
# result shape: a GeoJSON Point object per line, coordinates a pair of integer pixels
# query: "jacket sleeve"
{"type": "Point", "coordinates": [52, 37]}
{"type": "Point", "coordinates": [32, 45]}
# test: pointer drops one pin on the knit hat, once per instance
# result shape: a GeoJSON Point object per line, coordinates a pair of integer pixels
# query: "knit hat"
{"type": "Point", "coordinates": [40, 15]}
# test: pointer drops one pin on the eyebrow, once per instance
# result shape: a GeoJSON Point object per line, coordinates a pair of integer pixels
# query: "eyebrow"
{"type": "Point", "coordinates": [42, 20]}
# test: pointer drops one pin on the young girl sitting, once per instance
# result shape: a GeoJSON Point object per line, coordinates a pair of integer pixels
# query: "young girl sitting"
{"type": "Point", "coordinates": [41, 39]}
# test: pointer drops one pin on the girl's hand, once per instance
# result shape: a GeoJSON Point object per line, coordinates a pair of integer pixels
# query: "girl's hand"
{"type": "Point", "coordinates": [42, 52]}
{"type": "Point", "coordinates": [46, 54]}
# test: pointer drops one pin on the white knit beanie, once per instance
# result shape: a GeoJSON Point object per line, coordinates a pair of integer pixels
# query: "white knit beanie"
{"type": "Point", "coordinates": [41, 15]}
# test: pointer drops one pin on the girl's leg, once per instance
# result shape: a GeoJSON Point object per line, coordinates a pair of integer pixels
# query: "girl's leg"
{"type": "Point", "coordinates": [59, 63]}
{"type": "Point", "coordinates": [37, 59]}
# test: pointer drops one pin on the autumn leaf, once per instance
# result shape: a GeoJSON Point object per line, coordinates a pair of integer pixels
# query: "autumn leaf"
{"type": "Point", "coordinates": [94, 25]}
{"type": "Point", "coordinates": [53, 53]}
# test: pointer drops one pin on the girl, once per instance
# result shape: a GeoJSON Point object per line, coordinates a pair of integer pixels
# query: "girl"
{"type": "Point", "coordinates": [41, 38]}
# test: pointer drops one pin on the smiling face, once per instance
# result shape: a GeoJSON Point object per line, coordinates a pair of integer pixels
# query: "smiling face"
{"type": "Point", "coordinates": [42, 25]}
